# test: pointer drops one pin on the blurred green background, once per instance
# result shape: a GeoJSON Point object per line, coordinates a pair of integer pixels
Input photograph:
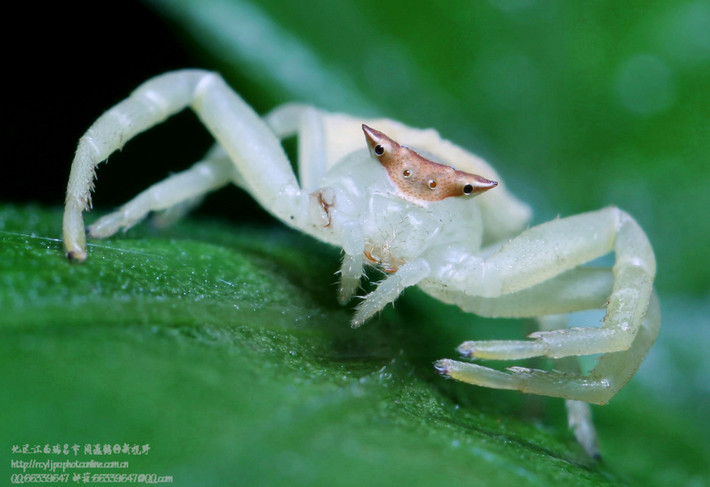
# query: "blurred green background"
{"type": "Point", "coordinates": [579, 105]}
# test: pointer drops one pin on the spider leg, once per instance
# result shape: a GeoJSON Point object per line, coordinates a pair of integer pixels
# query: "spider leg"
{"type": "Point", "coordinates": [581, 288]}
{"type": "Point", "coordinates": [178, 191]}
{"type": "Point", "coordinates": [573, 290]}
{"type": "Point", "coordinates": [352, 267]}
{"type": "Point", "coordinates": [528, 276]}
{"type": "Point", "coordinates": [350, 274]}
{"type": "Point", "coordinates": [250, 144]}
{"type": "Point", "coordinates": [388, 290]}
{"type": "Point", "coordinates": [306, 122]}
{"type": "Point", "coordinates": [579, 413]}
{"type": "Point", "coordinates": [550, 249]}
{"type": "Point", "coordinates": [612, 372]}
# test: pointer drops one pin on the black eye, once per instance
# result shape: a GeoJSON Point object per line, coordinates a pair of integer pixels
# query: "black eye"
{"type": "Point", "coordinates": [468, 189]}
{"type": "Point", "coordinates": [379, 150]}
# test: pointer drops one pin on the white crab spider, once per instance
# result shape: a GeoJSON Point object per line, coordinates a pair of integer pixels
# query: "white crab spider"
{"type": "Point", "coordinates": [386, 205]}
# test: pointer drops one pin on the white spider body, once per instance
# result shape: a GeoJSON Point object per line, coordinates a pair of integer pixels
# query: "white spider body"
{"type": "Point", "coordinates": [415, 219]}
{"type": "Point", "coordinates": [395, 230]}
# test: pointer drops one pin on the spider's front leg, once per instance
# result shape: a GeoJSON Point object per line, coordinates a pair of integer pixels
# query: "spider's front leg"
{"type": "Point", "coordinates": [388, 290]}
{"type": "Point", "coordinates": [536, 262]}
{"type": "Point", "coordinates": [254, 158]}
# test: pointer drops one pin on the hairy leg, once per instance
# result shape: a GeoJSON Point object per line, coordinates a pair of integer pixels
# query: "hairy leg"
{"type": "Point", "coordinates": [250, 144]}
{"type": "Point", "coordinates": [388, 290]}
{"type": "Point", "coordinates": [612, 372]}
{"type": "Point", "coordinates": [177, 190]}
{"type": "Point", "coordinates": [547, 251]}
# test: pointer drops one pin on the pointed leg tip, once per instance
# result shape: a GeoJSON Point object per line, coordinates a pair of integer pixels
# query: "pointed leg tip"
{"type": "Point", "coordinates": [442, 366]}
{"type": "Point", "coordinates": [77, 256]}
{"type": "Point", "coordinates": [466, 351]}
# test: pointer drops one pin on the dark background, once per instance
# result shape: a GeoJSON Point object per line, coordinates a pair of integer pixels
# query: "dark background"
{"type": "Point", "coordinates": [76, 61]}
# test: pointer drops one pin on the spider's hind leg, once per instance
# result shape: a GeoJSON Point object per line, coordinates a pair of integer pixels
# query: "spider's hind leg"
{"type": "Point", "coordinates": [173, 196]}
{"type": "Point", "coordinates": [253, 150]}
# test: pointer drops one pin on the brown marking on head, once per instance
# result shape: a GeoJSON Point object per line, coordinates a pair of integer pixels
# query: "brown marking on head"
{"type": "Point", "coordinates": [419, 178]}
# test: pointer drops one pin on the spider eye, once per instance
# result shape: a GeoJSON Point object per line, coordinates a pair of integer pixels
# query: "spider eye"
{"type": "Point", "coordinates": [406, 173]}
{"type": "Point", "coordinates": [432, 184]}
{"type": "Point", "coordinates": [468, 189]}
{"type": "Point", "coordinates": [379, 150]}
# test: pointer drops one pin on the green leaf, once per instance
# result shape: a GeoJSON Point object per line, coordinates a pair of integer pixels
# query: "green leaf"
{"type": "Point", "coordinates": [223, 349]}
{"type": "Point", "coordinates": [221, 343]}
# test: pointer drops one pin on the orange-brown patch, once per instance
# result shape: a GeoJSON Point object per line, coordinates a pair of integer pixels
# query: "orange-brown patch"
{"type": "Point", "coordinates": [418, 178]}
